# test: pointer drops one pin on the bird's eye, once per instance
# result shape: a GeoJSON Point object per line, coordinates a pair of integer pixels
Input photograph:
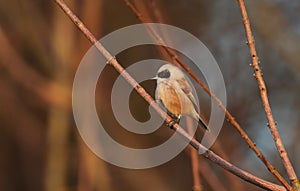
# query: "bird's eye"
{"type": "Point", "coordinates": [164, 74]}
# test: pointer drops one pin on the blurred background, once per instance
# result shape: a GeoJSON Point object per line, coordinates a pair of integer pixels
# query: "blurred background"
{"type": "Point", "coordinates": [41, 48]}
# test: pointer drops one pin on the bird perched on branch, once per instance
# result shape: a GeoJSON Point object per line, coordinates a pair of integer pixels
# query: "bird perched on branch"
{"type": "Point", "coordinates": [174, 93]}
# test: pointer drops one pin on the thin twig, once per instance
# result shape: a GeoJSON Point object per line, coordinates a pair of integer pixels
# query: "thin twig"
{"type": "Point", "coordinates": [148, 18]}
{"type": "Point", "coordinates": [193, 142]}
{"type": "Point", "coordinates": [194, 159]}
{"type": "Point", "coordinates": [231, 119]}
{"type": "Point", "coordinates": [264, 97]}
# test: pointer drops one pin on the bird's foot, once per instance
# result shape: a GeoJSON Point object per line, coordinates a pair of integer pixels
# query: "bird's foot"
{"type": "Point", "coordinates": [171, 123]}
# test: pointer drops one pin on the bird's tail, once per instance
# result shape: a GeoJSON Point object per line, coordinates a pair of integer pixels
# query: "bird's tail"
{"type": "Point", "coordinates": [203, 124]}
{"type": "Point", "coordinates": [200, 121]}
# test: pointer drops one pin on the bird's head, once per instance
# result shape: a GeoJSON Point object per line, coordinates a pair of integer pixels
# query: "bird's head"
{"type": "Point", "coordinates": [169, 72]}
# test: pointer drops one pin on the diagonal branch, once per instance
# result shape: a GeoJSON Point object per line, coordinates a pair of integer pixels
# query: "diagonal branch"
{"type": "Point", "coordinates": [193, 142]}
{"type": "Point", "coordinates": [264, 97]}
{"type": "Point", "coordinates": [231, 119]}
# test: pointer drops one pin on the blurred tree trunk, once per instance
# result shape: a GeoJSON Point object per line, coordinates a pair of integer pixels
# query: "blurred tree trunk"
{"type": "Point", "coordinates": [63, 46]}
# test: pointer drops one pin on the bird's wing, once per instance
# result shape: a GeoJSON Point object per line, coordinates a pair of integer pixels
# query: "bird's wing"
{"type": "Point", "coordinates": [185, 87]}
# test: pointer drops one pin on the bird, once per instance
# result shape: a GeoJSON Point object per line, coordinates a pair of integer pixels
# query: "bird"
{"type": "Point", "coordinates": [174, 93]}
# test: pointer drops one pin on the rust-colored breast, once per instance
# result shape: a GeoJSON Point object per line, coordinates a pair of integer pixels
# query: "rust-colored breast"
{"type": "Point", "coordinates": [169, 98]}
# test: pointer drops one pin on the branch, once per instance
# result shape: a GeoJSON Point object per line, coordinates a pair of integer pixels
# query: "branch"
{"type": "Point", "coordinates": [231, 119]}
{"type": "Point", "coordinates": [193, 142]}
{"type": "Point", "coordinates": [264, 97]}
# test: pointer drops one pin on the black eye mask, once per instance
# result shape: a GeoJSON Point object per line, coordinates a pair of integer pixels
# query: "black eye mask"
{"type": "Point", "coordinates": [164, 74]}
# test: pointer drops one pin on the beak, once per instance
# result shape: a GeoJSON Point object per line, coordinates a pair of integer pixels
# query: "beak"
{"type": "Point", "coordinates": [154, 78]}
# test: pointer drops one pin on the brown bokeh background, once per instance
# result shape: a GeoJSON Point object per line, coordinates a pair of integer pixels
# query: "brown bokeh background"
{"type": "Point", "coordinates": [40, 49]}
